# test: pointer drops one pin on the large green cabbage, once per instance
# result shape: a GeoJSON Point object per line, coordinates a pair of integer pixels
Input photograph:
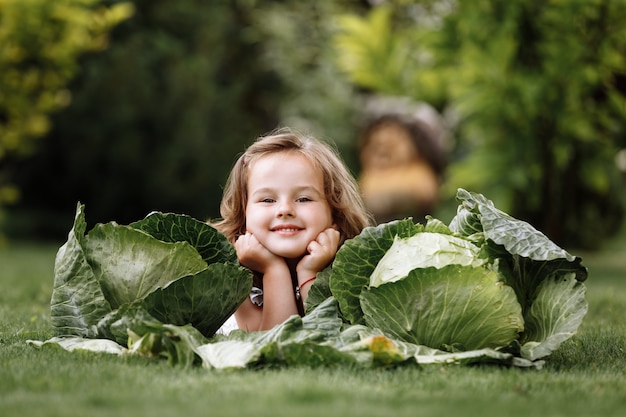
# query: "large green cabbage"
{"type": "Point", "coordinates": [119, 282]}
{"type": "Point", "coordinates": [486, 281]}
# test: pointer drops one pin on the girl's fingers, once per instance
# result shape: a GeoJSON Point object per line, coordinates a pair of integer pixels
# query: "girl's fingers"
{"type": "Point", "coordinates": [326, 240]}
{"type": "Point", "coordinates": [328, 236]}
{"type": "Point", "coordinates": [332, 237]}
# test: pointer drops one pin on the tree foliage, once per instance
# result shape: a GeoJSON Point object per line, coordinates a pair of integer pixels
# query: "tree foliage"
{"type": "Point", "coordinates": [40, 42]}
{"type": "Point", "coordinates": [538, 89]}
{"type": "Point", "coordinates": [159, 118]}
{"type": "Point", "coordinates": [296, 39]}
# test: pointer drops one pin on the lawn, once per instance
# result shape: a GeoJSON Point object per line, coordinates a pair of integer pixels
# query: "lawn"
{"type": "Point", "coordinates": [586, 376]}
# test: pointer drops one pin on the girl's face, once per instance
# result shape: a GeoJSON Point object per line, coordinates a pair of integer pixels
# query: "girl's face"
{"type": "Point", "coordinates": [286, 207]}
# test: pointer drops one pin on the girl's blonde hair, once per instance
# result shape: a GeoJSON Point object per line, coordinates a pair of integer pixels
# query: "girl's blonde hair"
{"type": "Point", "coordinates": [340, 187]}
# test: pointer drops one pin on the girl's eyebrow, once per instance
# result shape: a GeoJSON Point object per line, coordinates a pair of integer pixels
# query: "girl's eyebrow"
{"type": "Point", "coordinates": [298, 190]}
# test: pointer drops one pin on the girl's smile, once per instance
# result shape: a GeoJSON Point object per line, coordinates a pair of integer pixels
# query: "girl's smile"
{"type": "Point", "coordinates": [286, 229]}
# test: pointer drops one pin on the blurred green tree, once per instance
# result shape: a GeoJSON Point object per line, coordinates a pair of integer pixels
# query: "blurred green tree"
{"type": "Point", "coordinates": [40, 42]}
{"type": "Point", "coordinates": [296, 39]}
{"type": "Point", "coordinates": [537, 89]}
{"type": "Point", "coordinates": [159, 118]}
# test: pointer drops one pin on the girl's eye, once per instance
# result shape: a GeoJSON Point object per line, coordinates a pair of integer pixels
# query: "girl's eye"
{"type": "Point", "coordinates": [266, 200]}
{"type": "Point", "coordinates": [303, 199]}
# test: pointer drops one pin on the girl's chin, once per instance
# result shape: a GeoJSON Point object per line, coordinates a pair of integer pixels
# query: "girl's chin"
{"type": "Point", "coordinates": [289, 253]}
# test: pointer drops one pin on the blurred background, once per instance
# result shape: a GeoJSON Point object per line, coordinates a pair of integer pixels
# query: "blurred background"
{"type": "Point", "coordinates": [140, 105]}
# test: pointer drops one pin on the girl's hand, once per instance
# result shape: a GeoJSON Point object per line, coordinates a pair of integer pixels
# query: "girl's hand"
{"type": "Point", "coordinates": [321, 252]}
{"type": "Point", "coordinates": [253, 255]}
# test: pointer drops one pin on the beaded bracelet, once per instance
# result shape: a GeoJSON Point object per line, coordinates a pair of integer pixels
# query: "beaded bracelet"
{"type": "Point", "coordinates": [301, 285]}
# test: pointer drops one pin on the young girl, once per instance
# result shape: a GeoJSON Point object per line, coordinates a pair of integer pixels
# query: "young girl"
{"type": "Point", "coordinates": [288, 205]}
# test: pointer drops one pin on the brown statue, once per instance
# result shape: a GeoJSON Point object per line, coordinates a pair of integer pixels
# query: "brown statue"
{"type": "Point", "coordinates": [402, 163]}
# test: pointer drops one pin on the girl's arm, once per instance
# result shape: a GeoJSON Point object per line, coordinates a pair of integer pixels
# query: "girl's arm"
{"type": "Point", "coordinates": [278, 297]}
{"type": "Point", "coordinates": [279, 301]}
{"type": "Point", "coordinates": [248, 316]}
{"type": "Point", "coordinates": [321, 253]}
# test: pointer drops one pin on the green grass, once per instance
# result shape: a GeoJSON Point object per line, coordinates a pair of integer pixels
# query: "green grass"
{"type": "Point", "coordinates": [585, 377]}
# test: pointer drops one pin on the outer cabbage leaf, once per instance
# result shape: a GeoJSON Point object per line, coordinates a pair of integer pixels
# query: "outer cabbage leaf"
{"type": "Point", "coordinates": [72, 343]}
{"type": "Point", "coordinates": [424, 250]}
{"type": "Point", "coordinates": [555, 315]}
{"type": "Point", "coordinates": [209, 242]}
{"type": "Point", "coordinates": [229, 354]}
{"type": "Point", "coordinates": [321, 323]}
{"type": "Point", "coordinates": [374, 348]}
{"type": "Point", "coordinates": [514, 240]}
{"type": "Point", "coordinates": [478, 214]}
{"type": "Point", "coordinates": [77, 302]}
{"type": "Point", "coordinates": [296, 341]}
{"type": "Point", "coordinates": [177, 344]}
{"type": "Point", "coordinates": [527, 259]}
{"type": "Point", "coordinates": [319, 291]}
{"type": "Point", "coordinates": [132, 326]}
{"type": "Point", "coordinates": [205, 299]}
{"type": "Point", "coordinates": [452, 308]}
{"type": "Point", "coordinates": [116, 325]}
{"type": "Point", "coordinates": [130, 264]}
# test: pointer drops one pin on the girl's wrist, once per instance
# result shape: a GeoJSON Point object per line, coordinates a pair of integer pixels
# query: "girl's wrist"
{"type": "Point", "coordinates": [304, 272]}
{"type": "Point", "coordinates": [276, 268]}
{"type": "Point", "coordinates": [299, 296]}
{"type": "Point", "coordinates": [307, 281]}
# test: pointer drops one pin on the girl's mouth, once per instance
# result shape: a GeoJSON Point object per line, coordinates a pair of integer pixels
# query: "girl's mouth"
{"type": "Point", "coordinates": [286, 229]}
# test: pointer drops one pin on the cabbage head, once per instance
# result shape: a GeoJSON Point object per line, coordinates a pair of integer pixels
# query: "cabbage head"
{"type": "Point", "coordinates": [486, 281]}
{"type": "Point", "coordinates": [167, 277]}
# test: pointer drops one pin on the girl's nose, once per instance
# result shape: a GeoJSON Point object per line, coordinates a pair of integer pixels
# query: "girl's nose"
{"type": "Point", "coordinates": [285, 209]}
